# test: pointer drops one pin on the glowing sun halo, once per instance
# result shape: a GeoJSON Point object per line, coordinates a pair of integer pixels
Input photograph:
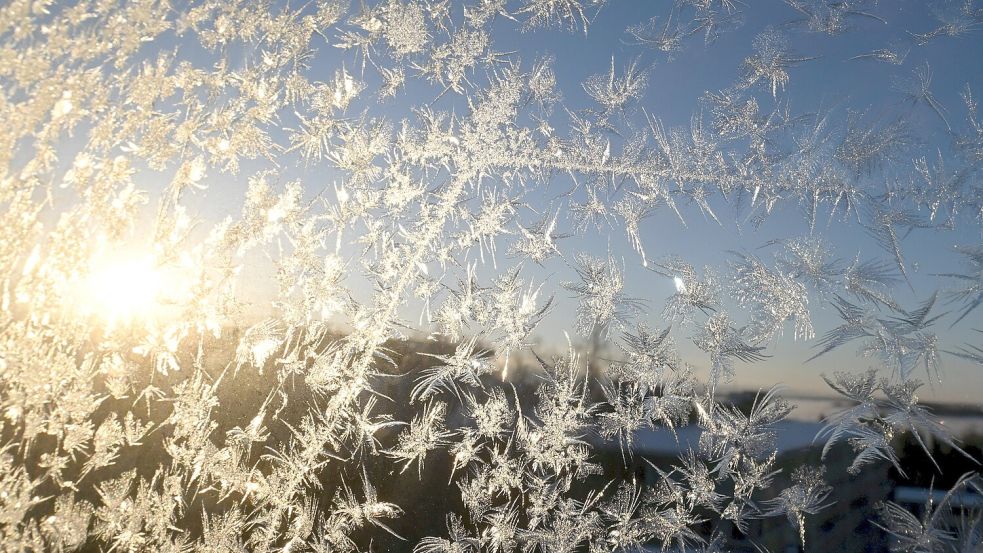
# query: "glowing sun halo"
{"type": "Point", "coordinates": [122, 289]}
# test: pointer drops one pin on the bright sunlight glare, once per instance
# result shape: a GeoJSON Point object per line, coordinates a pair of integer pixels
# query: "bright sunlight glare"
{"type": "Point", "coordinates": [121, 290]}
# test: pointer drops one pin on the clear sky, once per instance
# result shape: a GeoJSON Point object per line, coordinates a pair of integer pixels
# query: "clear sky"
{"type": "Point", "coordinates": [829, 84]}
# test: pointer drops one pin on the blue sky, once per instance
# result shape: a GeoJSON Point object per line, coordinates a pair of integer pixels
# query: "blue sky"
{"type": "Point", "coordinates": [828, 84]}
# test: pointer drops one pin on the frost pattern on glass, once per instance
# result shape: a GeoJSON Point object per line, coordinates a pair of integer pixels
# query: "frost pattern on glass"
{"type": "Point", "coordinates": [261, 261]}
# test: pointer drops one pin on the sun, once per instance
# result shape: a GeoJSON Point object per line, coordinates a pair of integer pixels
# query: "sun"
{"type": "Point", "coordinates": [122, 289]}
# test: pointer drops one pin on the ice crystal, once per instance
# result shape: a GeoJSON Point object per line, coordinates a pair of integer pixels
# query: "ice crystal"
{"type": "Point", "coordinates": [362, 229]}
